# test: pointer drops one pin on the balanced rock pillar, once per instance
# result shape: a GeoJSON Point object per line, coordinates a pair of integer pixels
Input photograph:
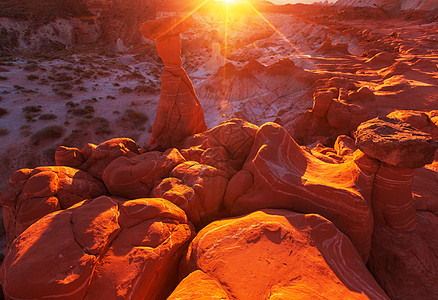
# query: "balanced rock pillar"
{"type": "Point", "coordinates": [179, 112]}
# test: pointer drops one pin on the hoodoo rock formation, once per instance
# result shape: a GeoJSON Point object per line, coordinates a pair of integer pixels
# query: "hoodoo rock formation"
{"type": "Point", "coordinates": [179, 112]}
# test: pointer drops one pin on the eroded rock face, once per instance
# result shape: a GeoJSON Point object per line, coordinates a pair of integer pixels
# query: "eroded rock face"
{"type": "Point", "coordinates": [405, 263]}
{"type": "Point", "coordinates": [103, 248]}
{"type": "Point", "coordinates": [279, 174]}
{"type": "Point", "coordinates": [276, 254]}
{"type": "Point", "coordinates": [34, 193]}
{"type": "Point", "coordinates": [395, 143]}
{"type": "Point", "coordinates": [345, 116]}
{"type": "Point", "coordinates": [198, 189]}
{"type": "Point", "coordinates": [94, 159]}
{"type": "Point", "coordinates": [224, 147]}
{"type": "Point", "coordinates": [135, 177]}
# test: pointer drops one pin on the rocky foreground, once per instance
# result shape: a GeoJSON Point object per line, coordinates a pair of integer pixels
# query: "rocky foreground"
{"type": "Point", "coordinates": [236, 212]}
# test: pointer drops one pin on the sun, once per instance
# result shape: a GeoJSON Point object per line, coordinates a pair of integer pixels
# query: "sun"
{"type": "Point", "coordinates": [230, 1]}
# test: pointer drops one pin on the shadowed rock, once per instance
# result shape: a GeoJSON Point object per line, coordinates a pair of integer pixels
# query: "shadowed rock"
{"type": "Point", "coordinates": [34, 193]}
{"type": "Point", "coordinates": [104, 248]}
{"type": "Point", "coordinates": [134, 177]}
{"type": "Point", "coordinates": [94, 159]}
{"type": "Point", "coordinates": [198, 189]}
{"type": "Point", "coordinates": [224, 147]}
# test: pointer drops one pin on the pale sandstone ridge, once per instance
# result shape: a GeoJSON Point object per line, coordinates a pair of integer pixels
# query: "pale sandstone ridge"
{"type": "Point", "coordinates": [302, 256]}
{"type": "Point", "coordinates": [105, 248]}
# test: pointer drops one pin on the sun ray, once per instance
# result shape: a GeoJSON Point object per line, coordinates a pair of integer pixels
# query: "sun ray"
{"type": "Point", "coordinates": [188, 15]}
{"type": "Point", "coordinates": [275, 29]}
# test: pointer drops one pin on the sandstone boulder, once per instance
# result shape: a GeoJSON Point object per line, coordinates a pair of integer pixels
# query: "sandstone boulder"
{"type": "Point", "coordinates": [345, 116]}
{"type": "Point", "coordinates": [135, 177]}
{"type": "Point", "coordinates": [321, 103]}
{"type": "Point", "coordinates": [94, 160]}
{"type": "Point", "coordinates": [276, 254]}
{"type": "Point", "coordinates": [34, 193]}
{"type": "Point", "coordinates": [105, 248]}
{"type": "Point", "coordinates": [224, 147]}
{"type": "Point", "coordinates": [198, 189]}
{"type": "Point", "coordinates": [280, 174]}
{"type": "Point", "coordinates": [395, 143]}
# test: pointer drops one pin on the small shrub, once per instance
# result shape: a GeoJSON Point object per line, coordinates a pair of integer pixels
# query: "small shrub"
{"type": "Point", "coordinates": [3, 112]}
{"type": "Point", "coordinates": [62, 77]}
{"type": "Point", "coordinates": [31, 67]}
{"type": "Point", "coordinates": [4, 132]}
{"type": "Point", "coordinates": [126, 90]}
{"type": "Point", "coordinates": [47, 117]}
{"type": "Point", "coordinates": [116, 84]}
{"type": "Point", "coordinates": [32, 109]}
{"type": "Point", "coordinates": [3, 78]}
{"type": "Point", "coordinates": [47, 133]}
{"type": "Point", "coordinates": [32, 77]}
{"type": "Point", "coordinates": [134, 117]}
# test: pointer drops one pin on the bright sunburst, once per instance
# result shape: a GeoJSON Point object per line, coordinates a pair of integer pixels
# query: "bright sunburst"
{"type": "Point", "coordinates": [230, 1]}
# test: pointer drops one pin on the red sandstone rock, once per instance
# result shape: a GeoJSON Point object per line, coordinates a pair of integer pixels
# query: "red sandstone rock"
{"type": "Point", "coordinates": [134, 177]}
{"type": "Point", "coordinates": [425, 187]}
{"type": "Point", "coordinates": [405, 264]}
{"type": "Point", "coordinates": [321, 103]}
{"type": "Point", "coordinates": [104, 248]}
{"type": "Point", "coordinates": [197, 286]}
{"type": "Point", "coordinates": [362, 94]}
{"type": "Point", "coordinates": [398, 68]}
{"type": "Point", "coordinates": [276, 254]}
{"type": "Point", "coordinates": [328, 48]}
{"type": "Point", "coordinates": [279, 174]}
{"type": "Point", "coordinates": [198, 189]}
{"type": "Point", "coordinates": [96, 159]}
{"type": "Point", "coordinates": [224, 147]}
{"type": "Point", "coordinates": [392, 199]}
{"type": "Point", "coordinates": [345, 145]}
{"type": "Point", "coordinates": [35, 193]}
{"type": "Point", "coordinates": [345, 116]}
{"type": "Point", "coordinates": [395, 143]}
{"type": "Point", "coordinates": [381, 60]}
{"type": "Point", "coordinates": [179, 112]}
